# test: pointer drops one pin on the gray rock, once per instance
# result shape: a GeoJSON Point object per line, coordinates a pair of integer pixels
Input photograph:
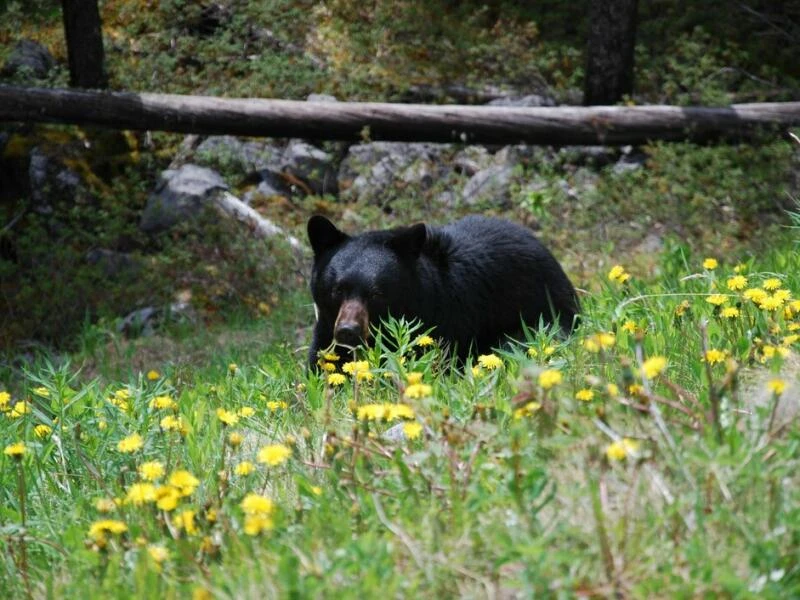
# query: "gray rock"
{"type": "Point", "coordinates": [181, 194]}
{"type": "Point", "coordinates": [145, 321]}
{"type": "Point", "coordinates": [523, 101]}
{"type": "Point", "coordinates": [229, 153]}
{"type": "Point", "coordinates": [28, 58]}
{"type": "Point", "coordinates": [472, 159]}
{"type": "Point", "coordinates": [312, 166]}
{"type": "Point", "coordinates": [52, 183]}
{"type": "Point", "coordinates": [491, 185]}
{"type": "Point", "coordinates": [395, 433]}
{"type": "Point", "coordinates": [271, 184]}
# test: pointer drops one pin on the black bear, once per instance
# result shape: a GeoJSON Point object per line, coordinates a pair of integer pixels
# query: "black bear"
{"type": "Point", "coordinates": [473, 281]}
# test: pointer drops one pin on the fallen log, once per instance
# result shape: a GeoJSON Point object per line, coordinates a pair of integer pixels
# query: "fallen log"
{"type": "Point", "coordinates": [608, 125]}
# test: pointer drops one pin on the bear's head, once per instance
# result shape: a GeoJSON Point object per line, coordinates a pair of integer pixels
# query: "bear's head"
{"type": "Point", "coordinates": [358, 280]}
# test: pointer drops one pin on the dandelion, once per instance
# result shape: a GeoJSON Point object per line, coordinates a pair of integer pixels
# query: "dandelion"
{"type": "Point", "coordinates": [770, 303]}
{"type": "Point", "coordinates": [653, 366]}
{"type": "Point", "coordinates": [15, 450]}
{"type": "Point", "coordinates": [141, 493]}
{"type": "Point", "coordinates": [736, 283]}
{"type": "Point", "coordinates": [788, 340]}
{"type": "Point", "coordinates": [331, 356]}
{"type": "Point", "coordinates": [424, 341]}
{"type": "Point", "coordinates": [783, 295]}
{"type": "Point", "coordinates": [247, 411]}
{"type": "Point", "coordinates": [244, 468]}
{"type": "Point", "coordinates": [629, 326]}
{"type": "Point", "coordinates": [399, 411]}
{"type": "Point", "coordinates": [130, 444]}
{"type": "Point", "coordinates": [755, 295]}
{"type": "Point", "coordinates": [714, 356]}
{"type": "Point", "coordinates": [600, 341]}
{"type": "Point", "coordinates": [490, 362]}
{"type": "Point", "coordinates": [776, 386]}
{"type": "Point", "coordinates": [533, 352]}
{"type": "Point", "coordinates": [163, 403]}
{"type": "Point", "coordinates": [167, 498]}
{"type": "Point", "coordinates": [121, 399]}
{"type": "Point", "coordinates": [418, 390]}
{"type": "Point", "coordinates": [276, 405]}
{"type": "Point", "coordinates": [255, 504]}
{"type": "Point", "coordinates": [477, 371]}
{"type": "Point", "coordinates": [232, 368]}
{"type": "Point", "coordinates": [730, 312]}
{"type": "Point", "coordinates": [681, 309]}
{"type": "Point", "coordinates": [158, 553]}
{"type": "Point", "coordinates": [20, 409]}
{"type": "Point", "coordinates": [151, 471]}
{"type": "Point", "coordinates": [412, 430]}
{"type": "Point", "coordinates": [173, 423]}
{"type": "Point", "coordinates": [612, 389]}
{"type": "Point", "coordinates": [184, 482]}
{"type": "Point", "coordinates": [328, 367]}
{"type": "Point", "coordinates": [185, 520]}
{"type": "Point", "coordinates": [336, 379]}
{"type": "Point", "coordinates": [771, 284]}
{"type": "Point", "coordinates": [105, 505]}
{"type": "Point", "coordinates": [549, 378]}
{"type": "Point", "coordinates": [414, 378]}
{"type": "Point", "coordinates": [371, 412]}
{"type": "Point", "coordinates": [235, 439]}
{"type": "Point", "coordinates": [42, 431]}
{"type": "Point", "coordinates": [717, 299]}
{"type": "Point", "coordinates": [227, 417]}
{"type": "Point", "coordinates": [527, 410]}
{"type": "Point", "coordinates": [710, 264]}
{"type": "Point", "coordinates": [617, 274]}
{"type": "Point", "coordinates": [256, 524]}
{"type": "Point", "coordinates": [152, 375]}
{"type": "Point", "coordinates": [636, 389]}
{"type": "Point", "coordinates": [274, 454]}
{"type": "Point", "coordinates": [5, 399]}
{"type": "Point", "coordinates": [585, 395]}
{"type": "Point", "coordinates": [99, 529]}
{"type": "Point", "coordinates": [621, 449]}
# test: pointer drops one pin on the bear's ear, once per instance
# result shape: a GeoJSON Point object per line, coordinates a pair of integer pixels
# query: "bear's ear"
{"type": "Point", "coordinates": [323, 234]}
{"type": "Point", "coordinates": [408, 241]}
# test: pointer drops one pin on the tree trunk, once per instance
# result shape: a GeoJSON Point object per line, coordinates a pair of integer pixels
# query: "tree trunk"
{"type": "Point", "coordinates": [83, 32]}
{"type": "Point", "coordinates": [359, 121]}
{"type": "Point", "coordinates": [612, 36]}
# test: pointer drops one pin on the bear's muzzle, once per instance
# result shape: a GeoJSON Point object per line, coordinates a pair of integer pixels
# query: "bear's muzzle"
{"type": "Point", "coordinates": [352, 324]}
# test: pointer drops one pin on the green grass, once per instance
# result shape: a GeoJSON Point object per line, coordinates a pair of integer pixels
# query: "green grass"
{"type": "Point", "coordinates": [509, 488]}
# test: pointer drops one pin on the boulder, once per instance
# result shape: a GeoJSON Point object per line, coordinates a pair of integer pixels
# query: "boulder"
{"type": "Point", "coordinates": [28, 59]}
{"type": "Point", "coordinates": [492, 185]}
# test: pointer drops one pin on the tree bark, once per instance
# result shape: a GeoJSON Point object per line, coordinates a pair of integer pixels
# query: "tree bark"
{"type": "Point", "coordinates": [612, 36]}
{"type": "Point", "coordinates": [358, 121]}
{"type": "Point", "coordinates": [84, 36]}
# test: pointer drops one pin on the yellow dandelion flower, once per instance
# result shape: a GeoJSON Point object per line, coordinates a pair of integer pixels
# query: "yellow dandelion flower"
{"type": "Point", "coordinates": [20, 409]}
{"type": "Point", "coordinates": [710, 264]}
{"type": "Point", "coordinates": [247, 411]}
{"type": "Point", "coordinates": [371, 412]}
{"type": "Point", "coordinates": [42, 430]}
{"type": "Point", "coordinates": [612, 389]}
{"type": "Point", "coordinates": [653, 366]}
{"type": "Point", "coordinates": [736, 283]}
{"type": "Point", "coordinates": [130, 444]}
{"type": "Point", "coordinates": [773, 283]}
{"type": "Point", "coordinates": [276, 405]}
{"type": "Point", "coordinates": [730, 312]}
{"type": "Point", "coordinates": [788, 340]}
{"type": "Point", "coordinates": [600, 341]}
{"type": "Point", "coordinates": [549, 350]}
{"type": "Point", "coordinates": [636, 389]}
{"type": "Point", "coordinates": [793, 327]}
{"type": "Point", "coordinates": [255, 504]}
{"type": "Point", "coordinates": [585, 395]}
{"type": "Point", "coordinates": [244, 468]}
{"type": "Point", "coordinates": [163, 403]}
{"type": "Point", "coordinates": [770, 303]}
{"type": "Point", "coordinates": [185, 520]}
{"type": "Point", "coordinates": [414, 378]}
{"type": "Point", "coordinates": [418, 390]}
{"type": "Point", "coordinates": [533, 352]}
{"type": "Point", "coordinates": [617, 274]}
{"type": "Point", "coordinates": [15, 450]}
{"type": "Point", "coordinates": [227, 417]}
{"type": "Point", "coordinates": [232, 368]}
{"type": "Point", "coordinates": [490, 362]}
{"type": "Point", "coordinates": [776, 386]}
{"type": "Point", "coordinates": [167, 497]}
{"type": "Point", "coordinates": [336, 379]}
{"type": "Point", "coordinates": [152, 375]}
{"type": "Point", "coordinates": [331, 356]}
{"type": "Point", "coordinates": [398, 411]}
{"type": "Point", "coordinates": [477, 371]}
{"type": "Point", "coordinates": [629, 326]}
{"type": "Point", "coordinates": [354, 367]}
{"type": "Point", "coordinates": [412, 430]}
{"type": "Point", "coordinates": [184, 482]}
{"type": "Point", "coordinates": [424, 341]}
{"type": "Point", "coordinates": [256, 524]}
{"type": "Point", "coordinates": [714, 356]}
{"type": "Point", "coordinates": [99, 529]}
{"type": "Point", "coordinates": [783, 295]}
{"type": "Point", "coordinates": [173, 423]}
{"type": "Point", "coordinates": [621, 449]}
{"type": "Point", "coordinates": [235, 439]}
{"type": "Point", "coordinates": [328, 367]}
{"type": "Point", "coordinates": [274, 454]}
{"type": "Point", "coordinates": [527, 410]}
{"type": "Point", "coordinates": [158, 553]}
{"type": "Point", "coordinates": [755, 295]}
{"type": "Point", "coordinates": [5, 399]}
{"type": "Point", "coordinates": [717, 299]}
{"type": "Point", "coordinates": [151, 471]}
{"type": "Point", "coordinates": [681, 309]}
{"type": "Point", "coordinates": [549, 378]}
{"type": "Point", "coordinates": [141, 493]}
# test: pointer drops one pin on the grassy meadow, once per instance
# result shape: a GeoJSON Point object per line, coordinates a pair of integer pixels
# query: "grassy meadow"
{"type": "Point", "coordinates": [651, 454]}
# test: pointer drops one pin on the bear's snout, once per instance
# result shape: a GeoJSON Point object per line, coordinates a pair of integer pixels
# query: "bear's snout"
{"type": "Point", "coordinates": [352, 324]}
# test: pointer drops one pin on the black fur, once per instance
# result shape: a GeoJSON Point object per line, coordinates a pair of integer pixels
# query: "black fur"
{"type": "Point", "coordinates": [474, 280]}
